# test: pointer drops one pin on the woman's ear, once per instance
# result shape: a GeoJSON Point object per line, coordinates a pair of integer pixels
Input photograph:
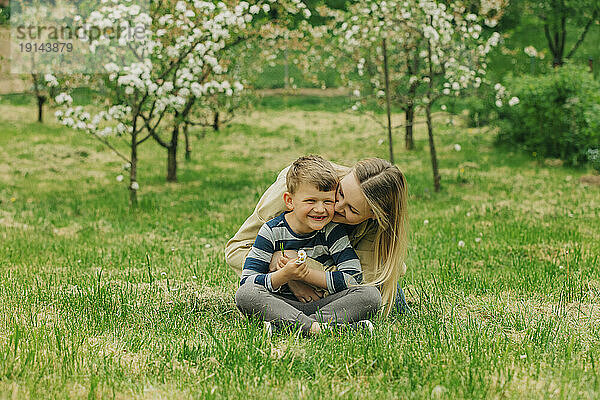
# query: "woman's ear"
{"type": "Point", "coordinates": [287, 199]}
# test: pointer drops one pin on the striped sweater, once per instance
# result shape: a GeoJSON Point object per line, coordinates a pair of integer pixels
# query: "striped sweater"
{"type": "Point", "coordinates": [330, 246]}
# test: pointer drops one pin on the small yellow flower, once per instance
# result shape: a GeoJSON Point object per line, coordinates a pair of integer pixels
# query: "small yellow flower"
{"type": "Point", "coordinates": [13, 199]}
{"type": "Point", "coordinates": [534, 154]}
{"type": "Point", "coordinates": [462, 170]}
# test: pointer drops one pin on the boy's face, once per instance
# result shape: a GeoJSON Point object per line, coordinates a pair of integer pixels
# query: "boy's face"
{"type": "Point", "coordinates": [312, 208]}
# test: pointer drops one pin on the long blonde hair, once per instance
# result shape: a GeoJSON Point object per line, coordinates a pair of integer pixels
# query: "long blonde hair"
{"type": "Point", "coordinates": [384, 187]}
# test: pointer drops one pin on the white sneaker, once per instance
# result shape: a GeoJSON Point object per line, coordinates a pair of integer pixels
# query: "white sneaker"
{"type": "Point", "coordinates": [365, 325]}
{"type": "Point", "coordinates": [268, 328]}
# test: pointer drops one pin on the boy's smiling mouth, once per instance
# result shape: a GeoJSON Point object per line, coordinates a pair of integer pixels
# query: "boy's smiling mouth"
{"type": "Point", "coordinates": [317, 218]}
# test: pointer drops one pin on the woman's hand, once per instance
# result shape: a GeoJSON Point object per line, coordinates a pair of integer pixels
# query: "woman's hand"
{"type": "Point", "coordinates": [304, 292]}
{"type": "Point", "coordinates": [277, 257]}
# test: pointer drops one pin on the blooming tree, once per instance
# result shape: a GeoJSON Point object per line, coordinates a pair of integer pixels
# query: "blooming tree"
{"type": "Point", "coordinates": [440, 50]}
{"type": "Point", "coordinates": [175, 63]}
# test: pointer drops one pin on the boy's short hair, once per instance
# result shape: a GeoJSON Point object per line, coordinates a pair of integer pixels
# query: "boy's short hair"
{"type": "Point", "coordinates": [314, 170]}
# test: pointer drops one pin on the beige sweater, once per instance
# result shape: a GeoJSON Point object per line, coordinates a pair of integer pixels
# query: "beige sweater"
{"type": "Point", "coordinates": [271, 204]}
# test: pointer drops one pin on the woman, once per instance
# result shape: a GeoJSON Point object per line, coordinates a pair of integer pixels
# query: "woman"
{"type": "Point", "coordinates": [372, 198]}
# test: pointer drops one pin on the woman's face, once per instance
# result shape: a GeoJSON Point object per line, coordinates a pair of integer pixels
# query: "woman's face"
{"type": "Point", "coordinates": [351, 206]}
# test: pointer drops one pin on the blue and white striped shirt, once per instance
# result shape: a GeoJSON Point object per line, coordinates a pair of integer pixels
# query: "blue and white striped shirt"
{"type": "Point", "coordinates": [329, 246]}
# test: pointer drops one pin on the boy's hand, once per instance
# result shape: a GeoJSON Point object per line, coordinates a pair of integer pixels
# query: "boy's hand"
{"type": "Point", "coordinates": [277, 257]}
{"type": "Point", "coordinates": [295, 272]}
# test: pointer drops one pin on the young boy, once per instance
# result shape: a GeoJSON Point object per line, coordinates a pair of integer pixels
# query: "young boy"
{"type": "Point", "coordinates": [310, 198]}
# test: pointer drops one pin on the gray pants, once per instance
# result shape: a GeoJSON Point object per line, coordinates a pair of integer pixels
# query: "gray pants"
{"type": "Point", "coordinates": [350, 305]}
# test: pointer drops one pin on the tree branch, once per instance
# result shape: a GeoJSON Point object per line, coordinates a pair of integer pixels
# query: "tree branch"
{"type": "Point", "coordinates": [582, 36]}
{"type": "Point", "coordinates": [110, 146]}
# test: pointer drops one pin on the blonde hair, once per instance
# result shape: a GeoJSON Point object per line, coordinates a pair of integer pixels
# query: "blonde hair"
{"type": "Point", "coordinates": [384, 187]}
{"type": "Point", "coordinates": [314, 170]}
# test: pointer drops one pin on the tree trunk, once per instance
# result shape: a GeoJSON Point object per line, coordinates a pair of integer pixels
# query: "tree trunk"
{"type": "Point", "coordinates": [188, 146]}
{"type": "Point", "coordinates": [387, 100]}
{"type": "Point", "coordinates": [410, 119]}
{"type": "Point", "coordinates": [434, 162]}
{"type": "Point", "coordinates": [133, 173]}
{"type": "Point", "coordinates": [286, 69]}
{"type": "Point", "coordinates": [40, 101]}
{"type": "Point", "coordinates": [172, 155]}
{"type": "Point", "coordinates": [216, 121]}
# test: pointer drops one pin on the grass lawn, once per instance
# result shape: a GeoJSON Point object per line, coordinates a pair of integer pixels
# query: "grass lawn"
{"type": "Point", "coordinates": [99, 302]}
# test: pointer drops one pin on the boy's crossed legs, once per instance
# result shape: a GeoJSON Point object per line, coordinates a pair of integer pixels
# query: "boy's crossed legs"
{"type": "Point", "coordinates": [351, 305]}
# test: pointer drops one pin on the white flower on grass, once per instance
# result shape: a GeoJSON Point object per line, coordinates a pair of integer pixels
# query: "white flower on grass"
{"type": "Point", "coordinates": [498, 103]}
{"type": "Point", "coordinates": [207, 245]}
{"type": "Point", "coordinates": [135, 185]}
{"type": "Point", "coordinates": [426, 222]}
{"type": "Point", "coordinates": [477, 240]}
{"type": "Point", "coordinates": [194, 277]}
{"type": "Point", "coordinates": [119, 178]}
{"type": "Point", "coordinates": [523, 356]}
{"type": "Point", "coordinates": [163, 274]}
{"type": "Point", "coordinates": [530, 51]}
{"type": "Point", "coordinates": [513, 101]}
{"type": "Point", "coordinates": [443, 107]}
{"type": "Point", "coordinates": [457, 147]}
{"type": "Point", "coordinates": [560, 267]}
{"type": "Point", "coordinates": [254, 9]}
{"type": "Point", "coordinates": [356, 93]}
{"type": "Point", "coordinates": [461, 243]}
{"type": "Point", "coordinates": [380, 142]}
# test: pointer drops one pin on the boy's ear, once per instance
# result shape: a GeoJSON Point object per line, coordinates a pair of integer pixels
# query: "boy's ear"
{"type": "Point", "coordinates": [287, 199]}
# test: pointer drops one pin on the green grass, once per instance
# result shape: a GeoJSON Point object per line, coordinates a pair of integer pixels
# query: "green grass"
{"type": "Point", "coordinates": [96, 301]}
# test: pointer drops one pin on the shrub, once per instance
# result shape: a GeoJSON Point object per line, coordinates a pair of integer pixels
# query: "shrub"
{"type": "Point", "coordinates": [482, 110]}
{"type": "Point", "coordinates": [558, 115]}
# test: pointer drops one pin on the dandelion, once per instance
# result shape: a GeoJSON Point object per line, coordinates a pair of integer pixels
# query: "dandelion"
{"type": "Point", "coordinates": [457, 147]}
{"type": "Point", "coordinates": [119, 178]}
{"type": "Point", "coordinates": [13, 199]}
{"type": "Point", "coordinates": [461, 243]}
